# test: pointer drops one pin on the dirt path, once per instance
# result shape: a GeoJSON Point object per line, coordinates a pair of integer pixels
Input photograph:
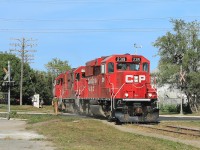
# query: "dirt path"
{"type": "Point", "coordinates": [14, 136]}
{"type": "Point", "coordinates": [194, 143]}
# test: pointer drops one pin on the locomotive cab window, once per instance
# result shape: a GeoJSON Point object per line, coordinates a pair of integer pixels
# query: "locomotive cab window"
{"type": "Point", "coordinates": [60, 81]}
{"type": "Point", "coordinates": [83, 74]}
{"type": "Point", "coordinates": [121, 66]}
{"type": "Point", "coordinates": [78, 76]}
{"type": "Point", "coordinates": [110, 67]}
{"type": "Point", "coordinates": [146, 67]}
{"type": "Point", "coordinates": [97, 70]}
{"type": "Point", "coordinates": [128, 66]}
{"type": "Point", "coordinates": [134, 67]}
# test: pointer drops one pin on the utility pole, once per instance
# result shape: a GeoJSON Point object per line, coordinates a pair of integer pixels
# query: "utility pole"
{"type": "Point", "coordinates": [23, 44]}
{"type": "Point", "coordinates": [178, 59]}
{"type": "Point", "coordinates": [8, 117]}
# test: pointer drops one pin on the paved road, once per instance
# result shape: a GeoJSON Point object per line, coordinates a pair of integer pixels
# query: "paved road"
{"type": "Point", "coordinates": [14, 136]}
{"type": "Point", "coordinates": [178, 118]}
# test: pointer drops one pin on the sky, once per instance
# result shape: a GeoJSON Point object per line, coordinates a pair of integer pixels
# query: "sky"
{"type": "Point", "coordinates": [78, 31]}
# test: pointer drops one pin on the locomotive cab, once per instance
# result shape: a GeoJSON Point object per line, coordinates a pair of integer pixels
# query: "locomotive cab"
{"type": "Point", "coordinates": [75, 90]}
{"type": "Point", "coordinates": [57, 91]}
{"type": "Point", "coordinates": [128, 79]}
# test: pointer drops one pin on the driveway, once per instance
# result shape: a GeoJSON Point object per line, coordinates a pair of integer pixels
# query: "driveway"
{"type": "Point", "coordinates": [13, 136]}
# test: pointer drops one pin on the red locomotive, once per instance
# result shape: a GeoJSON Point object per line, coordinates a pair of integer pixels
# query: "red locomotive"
{"type": "Point", "coordinates": [117, 87]}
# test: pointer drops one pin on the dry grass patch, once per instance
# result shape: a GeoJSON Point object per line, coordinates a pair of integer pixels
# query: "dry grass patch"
{"type": "Point", "coordinates": [77, 133]}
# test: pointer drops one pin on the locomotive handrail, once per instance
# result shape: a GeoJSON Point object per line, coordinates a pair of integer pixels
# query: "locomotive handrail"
{"type": "Point", "coordinates": [119, 90]}
{"type": "Point", "coordinates": [79, 91]}
{"type": "Point", "coordinates": [117, 93]}
{"type": "Point", "coordinates": [112, 98]}
{"type": "Point", "coordinates": [138, 99]}
{"type": "Point", "coordinates": [82, 90]}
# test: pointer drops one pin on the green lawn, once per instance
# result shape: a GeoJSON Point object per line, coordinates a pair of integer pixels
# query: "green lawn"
{"type": "Point", "coordinates": [26, 108]}
{"type": "Point", "coordinates": [78, 133]}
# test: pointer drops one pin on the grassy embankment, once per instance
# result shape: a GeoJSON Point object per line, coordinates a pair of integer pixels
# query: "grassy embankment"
{"type": "Point", "coordinates": [26, 108]}
{"type": "Point", "coordinates": [75, 133]}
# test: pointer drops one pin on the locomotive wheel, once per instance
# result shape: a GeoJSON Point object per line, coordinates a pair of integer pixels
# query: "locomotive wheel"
{"type": "Point", "coordinates": [88, 112]}
{"type": "Point", "coordinates": [118, 122]}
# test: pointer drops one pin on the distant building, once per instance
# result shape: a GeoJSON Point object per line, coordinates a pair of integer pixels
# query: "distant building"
{"type": "Point", "coordinates": [167, 95]}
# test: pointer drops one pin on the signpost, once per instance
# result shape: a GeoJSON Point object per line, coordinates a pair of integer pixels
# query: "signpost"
{"type": "Point", "coordinates": [182, 79]}
{"type": "Point", "coordinates": [7, 76]}
{"type": "Point", "coordinates": [178, 59]}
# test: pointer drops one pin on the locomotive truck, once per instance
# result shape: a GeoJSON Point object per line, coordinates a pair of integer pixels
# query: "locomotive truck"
{"type": "Point", "coordinates": [117, 87]}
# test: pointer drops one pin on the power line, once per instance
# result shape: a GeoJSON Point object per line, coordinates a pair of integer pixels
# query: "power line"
{"type": "Point", "coordinates": [92, 20]}
{"type": "Point", "coordinates": [86, 30]}
{"type": "Point", "coordinates": [98, 1]}
{"type": "Point", "coordinates": [23, 53]}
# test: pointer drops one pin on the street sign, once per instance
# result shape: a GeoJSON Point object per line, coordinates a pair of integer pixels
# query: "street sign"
{"type": "Point", "coordinates": [6, 76]}
{"type": "Point", "coordinates": [7, 73]}
{"type": "Point", "coordinates": [5, 70]}
{"type": "Point", "coordinates": [182, 76]}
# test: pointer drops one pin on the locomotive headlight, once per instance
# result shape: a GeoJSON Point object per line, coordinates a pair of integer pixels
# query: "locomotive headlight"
{"type": "Point", "coordinates": [150, 94]}
{"type": "Point", "coordinates": [126, 95]}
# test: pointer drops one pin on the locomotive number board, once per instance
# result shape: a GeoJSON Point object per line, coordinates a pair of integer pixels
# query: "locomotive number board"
{"type": "Point", "coordinates": [121, 59]}
{"type": "Point", "coordinates": [136, 60]}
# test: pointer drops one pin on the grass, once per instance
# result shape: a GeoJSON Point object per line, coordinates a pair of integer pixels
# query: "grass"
{"type": "Point", "coordinates": [163, 124]}
{"type": "Point", "coordinates": [26, 108]}
{"type": "Point", "coordinates": [49, 109]}
{"type": "Point", "coordinates": [77, 133]}
{"type": "Point", "coordinates": [174, 113]}
{"type": "Point", "coordinates": [194, 124]}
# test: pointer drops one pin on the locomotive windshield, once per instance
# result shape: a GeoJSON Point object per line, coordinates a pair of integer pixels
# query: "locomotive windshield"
{"type": "Point", "coordinates": [128, 66]}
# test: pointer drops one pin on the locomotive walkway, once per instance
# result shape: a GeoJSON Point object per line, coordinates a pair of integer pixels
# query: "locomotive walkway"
{"type": "Point", "coordinates": [14, 136]}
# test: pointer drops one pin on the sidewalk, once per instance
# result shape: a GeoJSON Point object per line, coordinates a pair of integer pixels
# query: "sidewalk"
{"type": "Point", "coordinates": [180, 116]}
{"type": "Point", "coordinates": [14, 136]}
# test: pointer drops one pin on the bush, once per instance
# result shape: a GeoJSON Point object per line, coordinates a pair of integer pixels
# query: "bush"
{"type": "Point", "coordinates": [186, 108]}
{"type": "Point", "coordinates": [169, 108]}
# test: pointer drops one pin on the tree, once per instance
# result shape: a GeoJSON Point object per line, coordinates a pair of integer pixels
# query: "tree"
{"type": "Point", "coordinates": [42, 85]}
{"type": "Point", "coordinates": [180, 49]}
{"type": "Point", "coordinates": [57, 66]}
{"type": "Point", "coordinates": [15, 76]}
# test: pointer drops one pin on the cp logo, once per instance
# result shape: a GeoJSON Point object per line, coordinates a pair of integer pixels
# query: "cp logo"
{"type": "Point", "coordinates": [136, 79]}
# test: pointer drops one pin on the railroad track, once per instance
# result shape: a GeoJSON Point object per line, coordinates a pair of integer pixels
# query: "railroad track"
{"type": "Point", "coordinates": [176, 129]}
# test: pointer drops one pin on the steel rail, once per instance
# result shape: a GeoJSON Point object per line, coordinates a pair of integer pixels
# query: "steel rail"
{"type": "Point", "coordinates": [174, 127]}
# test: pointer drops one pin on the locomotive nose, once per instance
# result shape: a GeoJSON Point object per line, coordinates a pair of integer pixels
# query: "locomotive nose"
{"type": "Point", "coordinates": [134, 85]}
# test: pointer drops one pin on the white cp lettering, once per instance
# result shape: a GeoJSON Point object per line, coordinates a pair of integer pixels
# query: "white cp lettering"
{"type": "Point", "coordinates": [136, 79]}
